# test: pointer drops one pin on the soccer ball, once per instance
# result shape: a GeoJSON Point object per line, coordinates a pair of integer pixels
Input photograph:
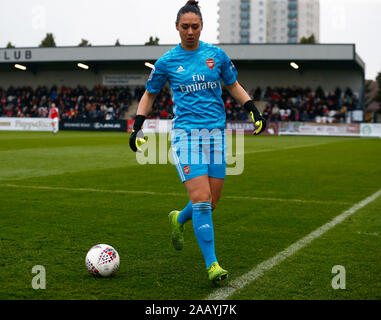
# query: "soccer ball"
{"type": "Point", "coordinates": [102, 260]}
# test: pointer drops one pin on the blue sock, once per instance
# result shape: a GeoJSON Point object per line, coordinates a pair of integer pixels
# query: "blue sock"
{"type": "Point", "coordinates": [203, 229]}
{"type": "Point", "coordinates": [186, 214]}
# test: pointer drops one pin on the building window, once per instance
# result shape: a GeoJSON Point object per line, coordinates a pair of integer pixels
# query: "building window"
{"type": "Point", "coordinates": [245, 6]}
{"type": "Point", "coordinates": [245, 24]}
{"type": "Point", "coordinates": [245, 15]}
{"type": "Point", "coordinates": [292, 6]}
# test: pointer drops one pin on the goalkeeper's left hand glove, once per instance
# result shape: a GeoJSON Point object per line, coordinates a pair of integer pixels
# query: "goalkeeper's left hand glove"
{"type": "Point", "coordinates": [257, 118]}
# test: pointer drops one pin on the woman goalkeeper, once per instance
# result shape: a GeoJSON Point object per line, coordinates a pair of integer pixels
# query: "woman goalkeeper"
{"type": "Point", "coordinates": [194, 70]}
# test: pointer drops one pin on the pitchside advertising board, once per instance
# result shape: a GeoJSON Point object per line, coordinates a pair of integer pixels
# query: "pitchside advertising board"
{"type": "Point", "coordinates": [94, 125]}
{"type": "Point", "coordinates": [165, 126]}
{"type": "Point", "coordinates": [318, 129]}
{"type": "Point", "coordinates": [45, 124]}
{"type": "Point", "coordinates": [334, 129]}
{"type": "Point", "coordinates": [26, 124]}
{"type": "Point", "coordinates": [370, 130]}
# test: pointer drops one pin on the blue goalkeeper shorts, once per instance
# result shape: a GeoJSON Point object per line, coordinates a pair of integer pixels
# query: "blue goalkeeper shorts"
{"type": "Point", "coordinates": [199, 152]}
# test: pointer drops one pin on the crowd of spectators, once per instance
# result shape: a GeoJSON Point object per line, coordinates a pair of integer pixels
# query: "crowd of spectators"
{"type": "Point", "coordinates": [304, 104]}
{"type": "Point", "coordinates": [163, 105]}
{"type": "Point", "coordinates": [279, 104]}
{"type": "Point", "coordinates": [106, 103]}
{"type": "Point", "coordinates": [98, 103]}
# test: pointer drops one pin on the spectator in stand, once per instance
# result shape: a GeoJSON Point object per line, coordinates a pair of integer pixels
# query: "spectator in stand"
{"type": "Point", "coordinates": [242, 115]}
{"type": "Point", "coordinates": [304, 116]}
{"type": "Point", "coordinates": [275, 113]}
{"type": "Point", "coordinates": [267, 112]}
{"type": "Point", "coordinates": [164, 114]}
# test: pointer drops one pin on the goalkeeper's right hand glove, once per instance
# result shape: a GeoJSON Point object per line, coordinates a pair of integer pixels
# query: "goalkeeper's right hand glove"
{"type": "Point", "coordinates": [137, 138]}
{"type": "Point", "coordinates": [257, 118]}
{"type": "Point", "coordinates": [136, 142]}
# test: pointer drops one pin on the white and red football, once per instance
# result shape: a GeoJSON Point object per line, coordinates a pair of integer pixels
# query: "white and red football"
{"type": "Point", "coordinates": [102, 260]}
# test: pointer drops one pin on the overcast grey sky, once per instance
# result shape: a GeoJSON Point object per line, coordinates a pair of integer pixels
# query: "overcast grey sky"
{"type": "Point", "coordinates": [26, 22]}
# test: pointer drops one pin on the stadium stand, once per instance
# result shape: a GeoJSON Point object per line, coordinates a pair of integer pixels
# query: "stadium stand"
{"type": "Point", "coordinates": [100, 103]}
{"type": "Point", "coordinates": [115, 80]}
{"type": "Point", "coordinates": [281, 104]}
{"type": "Point", "coordinates": [104, 103]}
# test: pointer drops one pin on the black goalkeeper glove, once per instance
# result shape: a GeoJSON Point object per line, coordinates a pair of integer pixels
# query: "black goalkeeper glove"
{"type": "Point", "coordinates": [137, 138]}
{"type": "Point", "coordinates": [257, 118]}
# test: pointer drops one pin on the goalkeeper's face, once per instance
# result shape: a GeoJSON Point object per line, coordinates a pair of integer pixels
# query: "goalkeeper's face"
{"type": "Point", "coordinates": [189, 27]}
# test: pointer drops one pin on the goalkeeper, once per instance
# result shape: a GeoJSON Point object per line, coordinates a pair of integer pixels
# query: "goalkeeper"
{"type": "Point", "coordinates": [194, 69]}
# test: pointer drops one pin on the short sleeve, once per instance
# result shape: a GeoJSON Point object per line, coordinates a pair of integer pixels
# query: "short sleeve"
{"type": "Point", "coordinates": [158, 77]}
{"type": "Point", "coordinates": [228, 70]}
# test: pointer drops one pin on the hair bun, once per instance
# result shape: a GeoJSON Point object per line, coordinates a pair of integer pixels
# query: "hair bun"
{"type": "Point", "coordinates": [192, 3]}
{"type": "Point", "coordinates": [190, 6]}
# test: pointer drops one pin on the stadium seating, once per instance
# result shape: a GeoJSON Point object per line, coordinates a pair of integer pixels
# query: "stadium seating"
{"type": "Point", "coordinates": [100, 103]}
{"type": "Point", "coordinates": [105, 103]}
{"type": "Point", "coordinates": [279, 104]}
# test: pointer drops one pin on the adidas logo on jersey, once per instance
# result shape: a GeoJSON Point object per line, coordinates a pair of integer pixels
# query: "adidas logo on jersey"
{"type": "Point", "coordinates": [180, 69]}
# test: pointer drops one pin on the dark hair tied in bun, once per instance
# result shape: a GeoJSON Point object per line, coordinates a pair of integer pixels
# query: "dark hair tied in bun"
{"type": "Point", "coordinates": [190, 6]}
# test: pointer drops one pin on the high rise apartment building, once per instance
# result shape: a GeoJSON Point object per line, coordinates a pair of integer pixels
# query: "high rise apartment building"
{"type": "Point", "coordinates": [267, 21]}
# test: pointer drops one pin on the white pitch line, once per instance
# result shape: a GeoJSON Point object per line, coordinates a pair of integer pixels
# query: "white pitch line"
{"type": "Point", "coordinates": [259, 270]}
{"type": "Point", "coordinates": [288, 200]}
{"type": "Point", "coordinates": [285, 148]}
{"type": "Point", "coordinates": [161, 193]}
{"type": "Point", "coordinates": [91, 190]}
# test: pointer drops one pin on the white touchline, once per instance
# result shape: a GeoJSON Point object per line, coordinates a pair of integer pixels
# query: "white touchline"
{"type": "Point", "coordinates": [276, 149]}
{"type": "Point", "coordinates": [288, 200]}
{"type": "Point", "coordinates": [259, 270]}
{"type": "Point", "coordinates": [287, 148]}
{"type": "Point", "coordinates": [163, 193]}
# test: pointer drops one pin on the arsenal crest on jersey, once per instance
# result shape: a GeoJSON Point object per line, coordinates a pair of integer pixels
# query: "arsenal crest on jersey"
{"type": "Point", "coordinates": [186, 169]}
{"type": "Point", "coordinates": [210, 63]}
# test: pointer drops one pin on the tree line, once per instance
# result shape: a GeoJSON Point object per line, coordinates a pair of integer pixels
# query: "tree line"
{"type": "Point", "coordinates": [49, 42]}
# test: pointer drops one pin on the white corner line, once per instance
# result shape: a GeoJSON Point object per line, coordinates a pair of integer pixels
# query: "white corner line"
{"type": "Point", "coordinates": [259, 270]}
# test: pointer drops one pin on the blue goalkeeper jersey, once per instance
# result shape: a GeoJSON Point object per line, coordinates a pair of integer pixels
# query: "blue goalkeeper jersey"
{"type": "Point", "coordinates": [194, 78]}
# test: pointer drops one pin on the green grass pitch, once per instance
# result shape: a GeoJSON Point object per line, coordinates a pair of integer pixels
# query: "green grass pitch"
{"type": "Point", "coordinates": [61, 194]}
